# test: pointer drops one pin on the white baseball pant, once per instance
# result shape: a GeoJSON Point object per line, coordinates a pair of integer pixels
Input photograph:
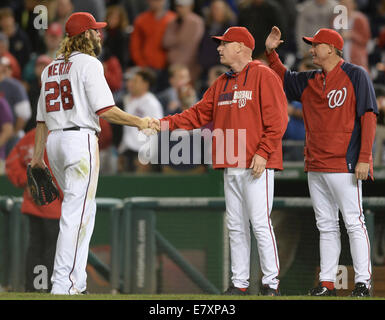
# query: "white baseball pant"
{"type": "Point", "coordinates": [249, 200]}
{"type": "Point", "coordinates": [74, 159]}
{"type": "Point", "coordinates": [331, 192]}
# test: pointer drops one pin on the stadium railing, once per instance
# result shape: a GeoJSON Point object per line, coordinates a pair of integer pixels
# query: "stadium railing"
{"type": "Point", "coordinates": [136, 240]}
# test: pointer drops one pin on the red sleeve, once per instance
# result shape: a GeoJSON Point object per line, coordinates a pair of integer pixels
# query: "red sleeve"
{"type": "Point", "coordinates": [102, 110]}
{"type": "Point", "coordinates": [15, 167]}
{"type": "Point", "coordinates": [368, 132]}
{"type": "Point", "coordinates": [15, 66]}
{"type": "Point", "coordinates": [136, 46]}
{"type": "Point", "coordinates": [276, 64]}
{"type": "Point", "coordinates": [105, 136]}
{"type": "Point", "coordinates": [195, 117]}
{"type": "Point", "coordinates": [273, 104]}
{"type": "Point", "coordinates": [113, 73]}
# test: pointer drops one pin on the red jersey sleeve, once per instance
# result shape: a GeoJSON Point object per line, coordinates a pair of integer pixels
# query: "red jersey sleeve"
{"type": "Point", "coordinates": [113, 73]}
{"type": "Point", "coordinates": [368, 132]}
{"type": "Point", "coordinates": [276, 64]}
{"type": "Point", "coordinates": [136, 43]}
{"type": "Point", "coordinates": [273, 104]}
{"type": "Point", "coordinates": [15, 168]}
{"type": "Point", "coordinates": [195, 117]}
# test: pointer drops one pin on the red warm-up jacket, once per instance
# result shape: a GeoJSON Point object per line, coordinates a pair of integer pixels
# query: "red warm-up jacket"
{"type": "Point", "coordinates": [16, 170]}
{"type": "Point", "coordinates": [339, 109]}
{"type": "Point", "coordinates": [250, 104]}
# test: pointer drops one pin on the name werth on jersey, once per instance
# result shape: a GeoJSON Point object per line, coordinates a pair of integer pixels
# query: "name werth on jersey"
{"type": "Point", "coordinates": [233, 97]}
{"type": "Point", "coordinates": [58, 69]}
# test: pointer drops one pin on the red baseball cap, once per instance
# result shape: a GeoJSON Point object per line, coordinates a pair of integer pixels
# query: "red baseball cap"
{"type": "Point", "coordinates": [237, 34]}
{"type": "Point", "coordinates": [79, 22]}
{"type": "Point", "coordinates": [328, 36]}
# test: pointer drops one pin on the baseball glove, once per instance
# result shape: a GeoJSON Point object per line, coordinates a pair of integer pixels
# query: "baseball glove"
{"type": "Point", "coordinates": [43, 189]}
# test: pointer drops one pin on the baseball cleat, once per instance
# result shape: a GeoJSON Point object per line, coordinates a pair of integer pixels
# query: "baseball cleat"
{"type": "Point", "coordinates": [360, 290]}
{"type": "Point", "coordinates": [322, 291]}
{"type": "Point", "coordinates": [267, 291]}
{"type": "Point", "coordinates": [234, 291]}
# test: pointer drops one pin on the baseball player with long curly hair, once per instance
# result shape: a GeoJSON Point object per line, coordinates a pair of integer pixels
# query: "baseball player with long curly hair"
{"type": "Point", "coordinates": [339, 109]}
{"type": "Point", "coordinates": [73, 95]}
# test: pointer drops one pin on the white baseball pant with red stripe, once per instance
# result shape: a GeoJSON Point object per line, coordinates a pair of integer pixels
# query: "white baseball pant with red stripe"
{"type": "Point", "coordinates": [331, 192]}
{"type": "Point", "coordinates": [74, 159]}
{"type": "Point", "coordinates": [249, 200]}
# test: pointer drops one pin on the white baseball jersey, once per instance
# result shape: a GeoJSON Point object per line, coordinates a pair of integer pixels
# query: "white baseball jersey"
{"type": "Point", "coordinates": [73, 93]}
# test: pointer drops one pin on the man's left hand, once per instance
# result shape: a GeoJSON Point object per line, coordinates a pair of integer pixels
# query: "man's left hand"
{"type": "Point", "coordinates": [362, 170]}
{"type": "Point", "coordinates": [258, 164]}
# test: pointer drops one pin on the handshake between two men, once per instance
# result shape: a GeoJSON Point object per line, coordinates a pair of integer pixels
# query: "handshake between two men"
{"type": "Point", "coordinates": [149, 126]}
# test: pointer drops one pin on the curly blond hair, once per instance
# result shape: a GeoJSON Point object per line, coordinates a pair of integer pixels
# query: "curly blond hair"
{"type": "Point", "coordinates": [76, 43]}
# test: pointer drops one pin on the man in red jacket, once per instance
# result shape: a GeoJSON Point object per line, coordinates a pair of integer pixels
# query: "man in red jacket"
{"type": "Point", "coordinates": [340, 115]}
{"type": "Point", "coordinates": [43, 220]}
{"type": "Point", "coordinates": [248, 108]}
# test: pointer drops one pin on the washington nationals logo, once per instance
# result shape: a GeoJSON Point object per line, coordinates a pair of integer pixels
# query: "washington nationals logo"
{"type": "Point", "coordinates": [336, 98]}
{"type": "Point", "coordinates": [242, 102]}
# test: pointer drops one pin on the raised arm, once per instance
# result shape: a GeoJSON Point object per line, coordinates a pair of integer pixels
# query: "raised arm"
{"type": "Point", "coordinates": [272, 42]}
{"type": "Point", "coordinates": [293, 82]}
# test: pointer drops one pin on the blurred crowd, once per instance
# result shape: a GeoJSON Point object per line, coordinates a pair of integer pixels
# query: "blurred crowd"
{"type": "Point", "coordinates": [159, 59]}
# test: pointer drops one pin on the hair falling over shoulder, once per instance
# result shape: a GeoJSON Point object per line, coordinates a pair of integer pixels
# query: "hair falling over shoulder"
{"type": "Point", "coordinates": [76, 43]}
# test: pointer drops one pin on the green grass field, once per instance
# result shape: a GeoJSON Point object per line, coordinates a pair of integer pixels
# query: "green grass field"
{"type": "Point", "coordinates": [44, 296]}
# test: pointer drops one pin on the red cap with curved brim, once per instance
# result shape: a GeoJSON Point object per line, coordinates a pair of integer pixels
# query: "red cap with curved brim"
{"type": "Point", "coordinates": [237, 34]}
{"type": "Point", "coordinates": [79, 22]}
{"type": "Point", "coordinates": [328, 36]}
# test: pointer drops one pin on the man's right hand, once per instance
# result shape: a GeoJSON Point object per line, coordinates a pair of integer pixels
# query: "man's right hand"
{"type": "Point", "coordinates": [144, 123]}
{"type": "Point", "coordinates": [154, 124]}
{"type": "Point", "coordinates": [273, 40]}
{"type": "Point", "coordinates": [150, 126]}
